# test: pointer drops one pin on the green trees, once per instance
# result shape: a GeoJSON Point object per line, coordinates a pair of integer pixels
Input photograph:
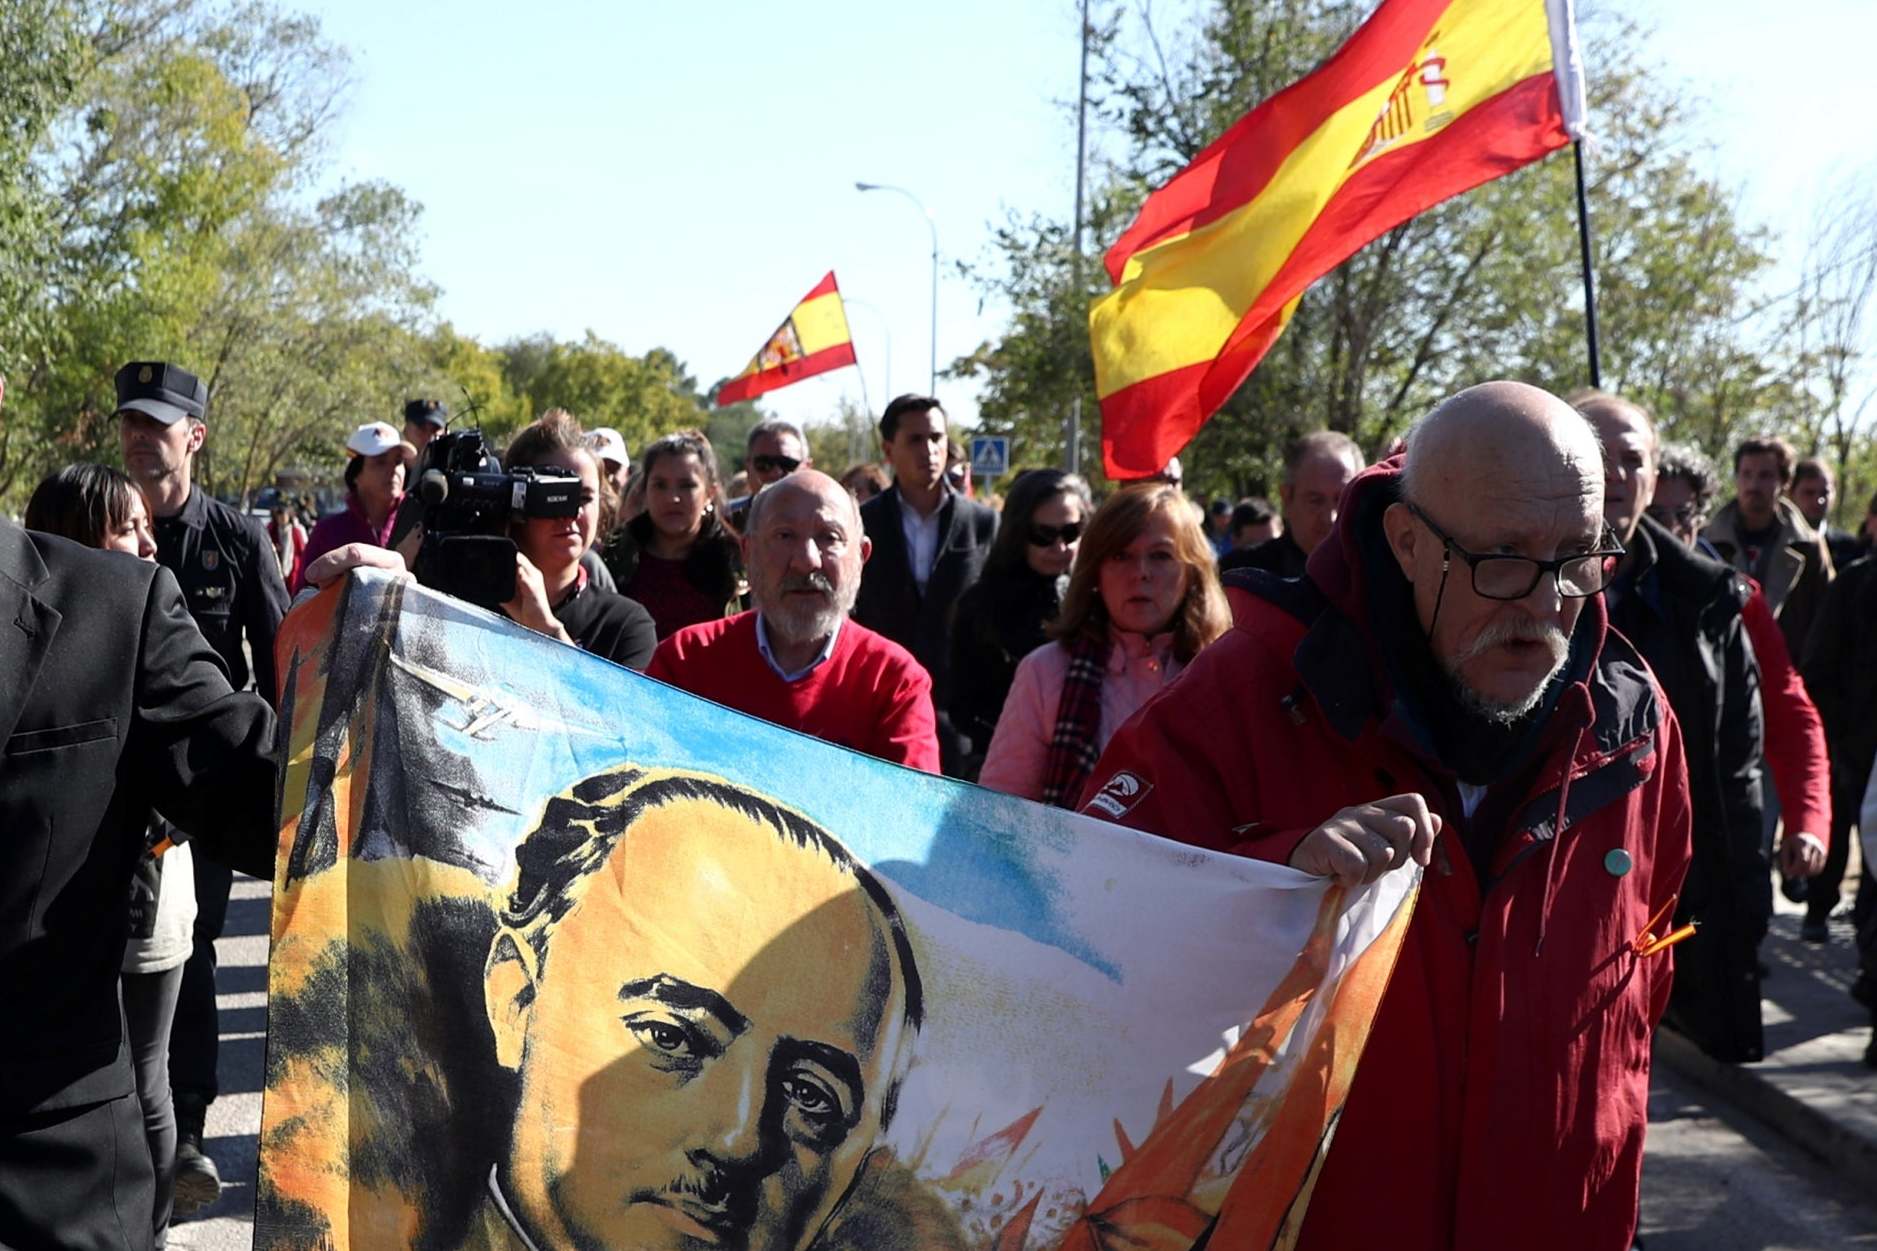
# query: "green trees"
{"type": "Point", "coordinates": [1484, 286]}
{"type": "Point", "coordinates": [164, 194]}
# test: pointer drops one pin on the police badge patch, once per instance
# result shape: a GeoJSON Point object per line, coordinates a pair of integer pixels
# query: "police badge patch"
{"type": "Point", "coordinates": [211, 559]}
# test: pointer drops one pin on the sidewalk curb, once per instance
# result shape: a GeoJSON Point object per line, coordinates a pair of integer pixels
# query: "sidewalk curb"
{"type": "Point", "coordinates": [1851, 1155]}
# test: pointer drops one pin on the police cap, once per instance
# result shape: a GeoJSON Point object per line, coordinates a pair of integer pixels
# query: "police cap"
{"type": "Point", "coordinates": [163, 391]}
{"type": "Point", "coordinates": [430, 412]}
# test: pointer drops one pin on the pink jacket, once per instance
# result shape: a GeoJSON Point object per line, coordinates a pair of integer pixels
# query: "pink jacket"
{"type": "Point", "coordinates": [1138, 666]}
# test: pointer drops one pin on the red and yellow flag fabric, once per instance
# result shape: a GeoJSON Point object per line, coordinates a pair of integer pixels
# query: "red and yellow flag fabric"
{"type": "Point", "coordinates": [811, 340]}
{"type": "Point", "coordinates": [1427, 99]}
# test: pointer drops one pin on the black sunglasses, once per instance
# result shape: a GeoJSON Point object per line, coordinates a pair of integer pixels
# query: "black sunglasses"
{"type": "Point", "coordinates": [1046, 536]}
{"type": "Point", "coordinates": [767, 464]}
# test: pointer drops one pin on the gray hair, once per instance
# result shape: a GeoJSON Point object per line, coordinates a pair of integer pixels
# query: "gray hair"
{"type": "Point", "coordinates": [1332, 443]}
{"type": "Point", "coordinates": [776, 426]}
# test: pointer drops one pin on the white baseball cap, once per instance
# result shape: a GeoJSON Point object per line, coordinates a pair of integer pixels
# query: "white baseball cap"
{"type": "Point", "coordinates": [608, 445]}
{"type": "Point", "coordinates": [374, 438]}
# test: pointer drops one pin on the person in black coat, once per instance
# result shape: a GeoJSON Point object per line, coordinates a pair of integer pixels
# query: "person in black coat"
{"type": "Point", "coordinates": [929, 546]}
{"type": "Point", "coordinates": [1001, 618]}
{"type": "Point", "coordinates": [112, 704]}
{"type": "Point", "coordinates": [1840, 669]}
{"type": "Point", "coordinates": [1682, 611]}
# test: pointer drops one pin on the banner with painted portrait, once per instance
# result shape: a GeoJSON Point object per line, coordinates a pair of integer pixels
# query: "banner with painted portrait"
{"type": "Point", "coordinates": [566, 958]}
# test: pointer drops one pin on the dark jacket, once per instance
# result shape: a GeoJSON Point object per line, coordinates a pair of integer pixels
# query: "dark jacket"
{"type": "Point", "coordinates": [1511, 1046]}
{"type": "Point", "coordinates": [890, 602]}
{"type": "Point", "coordinates": [1840, 668]}
{"type": "Point", "coordinates": [1683, 613]}
{"type": "Point", "coordinates": [999, 620]}
{"type": "Point", "coordinates": [1794, 578]}
{"type": "Point", "coordinates": [714, 566]}
{"type": "Point", "coordinates": [230, 579]}
{"type": "Point", "coordinates": [111, 704]}
{"type": "Point", "coordinates": [1280, 556]}
{"type": "Point", "coordinates": [1844, 547]}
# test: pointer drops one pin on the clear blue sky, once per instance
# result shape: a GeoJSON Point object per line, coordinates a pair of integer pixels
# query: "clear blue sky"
{"type": "Point", "coordinates": [678, 175]}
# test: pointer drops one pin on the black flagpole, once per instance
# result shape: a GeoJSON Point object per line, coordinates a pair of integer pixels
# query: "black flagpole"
{"type": "Point", "coordinates": [1590, 281]}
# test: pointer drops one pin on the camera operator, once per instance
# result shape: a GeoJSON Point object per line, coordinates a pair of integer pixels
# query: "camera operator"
{"type": "Point", "coordinates": [553, 595]}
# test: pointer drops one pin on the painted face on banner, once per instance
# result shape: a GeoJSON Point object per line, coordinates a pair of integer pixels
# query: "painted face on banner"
{"type": "Point", "coordinates": [704, 1051]}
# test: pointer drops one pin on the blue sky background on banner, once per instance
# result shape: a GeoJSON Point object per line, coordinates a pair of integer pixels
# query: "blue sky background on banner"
{"type": "Point", "coordinates": [908, 825]}
{"type": "Point", "coordinates": [678, 175]}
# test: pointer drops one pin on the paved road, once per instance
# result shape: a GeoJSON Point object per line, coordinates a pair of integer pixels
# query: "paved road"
{"type": "Point", "coordinates": [235, 1117]}
{"type": "Point", "coordinates": [1715, 1180]}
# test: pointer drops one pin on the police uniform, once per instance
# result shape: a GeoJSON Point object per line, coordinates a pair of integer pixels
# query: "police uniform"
{"type": "Point", "coordinates": [230, 580]}
{"type": "Point", "coordinates": [232, 586]}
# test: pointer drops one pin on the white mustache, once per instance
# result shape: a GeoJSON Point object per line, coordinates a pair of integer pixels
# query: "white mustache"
{"type": "Point", "coordinates": [1517, 630]}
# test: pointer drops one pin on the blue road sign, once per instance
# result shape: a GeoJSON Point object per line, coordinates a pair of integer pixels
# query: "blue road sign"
{"type": "Point", "coordinates": [990, 455]}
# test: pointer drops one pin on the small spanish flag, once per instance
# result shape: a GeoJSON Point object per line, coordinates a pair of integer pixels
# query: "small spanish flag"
{"type": "Point", "coordinates": [811, 340]}
{"type": "Point", "coordinates": [1427, 99]}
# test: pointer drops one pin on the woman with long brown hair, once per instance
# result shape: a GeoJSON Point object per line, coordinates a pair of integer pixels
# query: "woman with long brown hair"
{"type": "Point", "coordinates": [1142, 601]}
{"type": "Point", "coordinates": [677, 557]}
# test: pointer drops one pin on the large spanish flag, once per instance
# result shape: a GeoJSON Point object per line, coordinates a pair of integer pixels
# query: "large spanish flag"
{"type": "Point", "coordinates": [811, 340]}
{"type": "Point", "coordinates": [1427, 99]}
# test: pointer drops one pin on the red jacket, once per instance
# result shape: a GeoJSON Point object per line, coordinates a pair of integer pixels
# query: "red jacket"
{"type": "Point", "coordinates": [1502, 1098]}
{"type": "Point", "coordinates": [1795, 737]}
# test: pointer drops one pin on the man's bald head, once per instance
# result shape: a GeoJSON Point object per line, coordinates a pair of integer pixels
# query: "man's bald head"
{"type": "Point", "coordinates": [803, 546]}
{"type": "Point", "coordinates": [1500, 470]}
{"type": "Point", "coordinates": [1631, 450]}
{"type": "Point", "coordinates": [809, 481]}
{"type": "Point", "coordinates": [1499, 428]}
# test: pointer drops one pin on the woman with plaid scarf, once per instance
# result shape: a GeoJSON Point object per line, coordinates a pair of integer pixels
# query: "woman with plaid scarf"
{"type": "Point", "coordinates": [1143, 599]}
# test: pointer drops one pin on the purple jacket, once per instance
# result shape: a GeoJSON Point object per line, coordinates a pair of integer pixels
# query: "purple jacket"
{"type": "Point", "coordinates": [338, 529]}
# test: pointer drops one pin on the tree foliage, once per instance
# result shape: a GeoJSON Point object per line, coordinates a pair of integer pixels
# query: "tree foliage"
{"type": "Point", "coordinates": [164, 194]}
{"type": "Point", "coordinates": [1486, 285]}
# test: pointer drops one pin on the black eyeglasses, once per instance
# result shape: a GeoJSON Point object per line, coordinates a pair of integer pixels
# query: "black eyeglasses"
{"type": "Point", "coordinates": [1046, 536]}
{"type": "Point", "coordinates": [769, 464]}
{"type": "Point", "coordinates": [1514, 577]}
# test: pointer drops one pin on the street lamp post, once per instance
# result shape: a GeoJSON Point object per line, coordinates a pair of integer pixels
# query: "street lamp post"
{"type": "Point", "coordinates": [931, 225]}
{"type": "Point", "coordinates": [886, 330]}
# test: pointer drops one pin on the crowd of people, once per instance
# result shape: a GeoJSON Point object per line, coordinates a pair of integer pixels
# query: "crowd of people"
{"type": "Point", "coordinates": [1522, 647]}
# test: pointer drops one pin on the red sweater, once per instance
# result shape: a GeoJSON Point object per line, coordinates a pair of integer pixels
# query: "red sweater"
{"type": "Point", "coordinates": [870, 695]}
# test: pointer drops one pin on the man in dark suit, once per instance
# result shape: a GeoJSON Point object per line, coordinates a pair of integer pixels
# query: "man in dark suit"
{"type": "Point", "coordinates": [111, 704]}
{"type": "Point", "coordinates": [929, 544]}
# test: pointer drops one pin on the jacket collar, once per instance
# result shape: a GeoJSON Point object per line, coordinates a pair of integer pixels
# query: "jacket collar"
{"type": "Point", "coordinates": [20, 562]}
{"type": "Point", "coordinates": [194, 512]}
{"type": "Point", "coordinates": [27, 623]}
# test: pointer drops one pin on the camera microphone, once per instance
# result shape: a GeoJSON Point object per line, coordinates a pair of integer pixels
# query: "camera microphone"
{"type": "Point", "coordinates": [433, 487]}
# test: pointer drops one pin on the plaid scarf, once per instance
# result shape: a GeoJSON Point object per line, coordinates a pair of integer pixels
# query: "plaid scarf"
{"type": "Point", "coordinates": [1072, 748]}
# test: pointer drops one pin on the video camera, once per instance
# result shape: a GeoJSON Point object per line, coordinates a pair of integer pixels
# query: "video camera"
{"type": "Point", "coordinates": [469, 501]}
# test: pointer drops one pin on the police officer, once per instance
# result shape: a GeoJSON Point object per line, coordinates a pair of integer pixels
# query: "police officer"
{"type": "Point", "coordinates": [424, 420]}
{"type": "Point", "coordinates": [232, 585]}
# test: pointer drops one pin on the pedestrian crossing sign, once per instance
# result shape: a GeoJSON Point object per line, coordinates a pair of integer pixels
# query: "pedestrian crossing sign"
{"type": "Point", "coordinates": [990, 455]}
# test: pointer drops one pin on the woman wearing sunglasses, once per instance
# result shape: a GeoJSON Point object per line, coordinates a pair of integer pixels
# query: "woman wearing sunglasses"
{"type": "Point", "coordinates": [1143, 600]}
{"type": "Point", "coordinates": [1003, 616]}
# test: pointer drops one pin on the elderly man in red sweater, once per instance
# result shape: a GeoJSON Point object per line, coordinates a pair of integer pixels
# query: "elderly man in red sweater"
{"type": "Point", "coordinates": [796, 659]}
{"type": "Point", "coordinates": [1442, 686]}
